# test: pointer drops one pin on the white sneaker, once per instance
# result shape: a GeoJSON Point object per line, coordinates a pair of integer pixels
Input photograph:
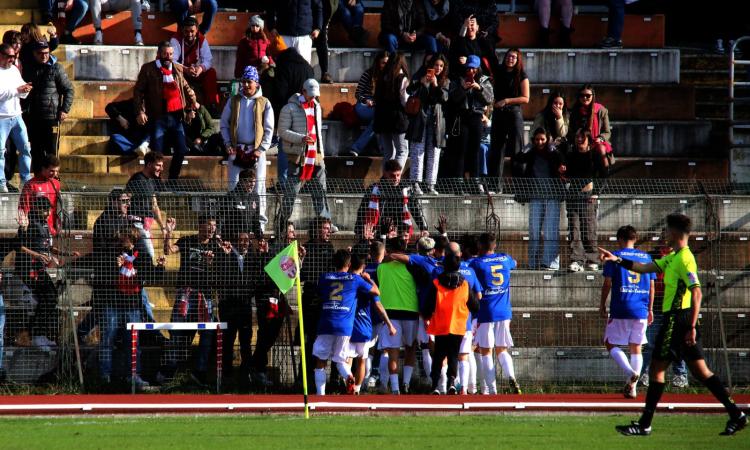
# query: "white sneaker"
{"type": "Point", "coordinates": [98, 38]}
{"type": "Point", "coordinates": [138, 38]}
{"type": "Point", "coordinates": [680, 381]}
{"type": "Point", "coordinates": [145, 6]}
{"type": "Point", "coordinates": [575, 266]}
{"type": "Point", "coordinates": [417, 189]}
{"type": "Point", "coordinates": [3, 188]}
{"type": "Point", "coordinates": [592, 267]}
{"type": "Point", "coordinates": [142, 149]}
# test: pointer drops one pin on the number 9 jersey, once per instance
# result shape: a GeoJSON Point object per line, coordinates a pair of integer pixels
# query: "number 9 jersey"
{"type": "Point", "coordinates": [493, 273]}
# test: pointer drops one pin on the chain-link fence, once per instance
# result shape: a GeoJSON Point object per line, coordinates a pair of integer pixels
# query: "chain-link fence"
{"type": "Point", "coordinates": [188, 251]}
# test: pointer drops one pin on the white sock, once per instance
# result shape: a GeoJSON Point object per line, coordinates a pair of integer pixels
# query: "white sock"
{"type": "Point", "coordinates": [427, 361]}
{"type": "Point", "coordinates": [480, 371]}
{"type": "Point", "coordinates": [368, 366]}
{"type": "Point", "coordinates": [506, 362]}
{"type": "Point", "coordinates": [471, 379]}
{"type": "Point", "coordinates": [464, 371]}
{"type": "Point", "coordinates": [636, 362]}
{"type": "Point", "coordinates": [408, 370]}
{"type": "Point", "coordinates": [357, 387]}
{"type": "Point", "coordinates": [622, 360]}
{"type": "Point", "coordinates": [344, 370]}
{"type": "Point", "coordinates": [383, 369]}
{"type": "Point", "coordinates": [488, 369]}
{"type": "Point", "coordinates": [443, 381]}
{"type": "Point", "coordinates": [394, 382]}
{"type": "Point", "coordinates": [320, 381]}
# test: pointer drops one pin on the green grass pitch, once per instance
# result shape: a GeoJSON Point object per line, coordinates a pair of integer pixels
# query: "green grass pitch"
{"type": "Point", "coordinates": [362, 432]}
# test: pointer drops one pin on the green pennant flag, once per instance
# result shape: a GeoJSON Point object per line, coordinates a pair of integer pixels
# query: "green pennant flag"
{"type": "Point", "coordinates": [284, 268]}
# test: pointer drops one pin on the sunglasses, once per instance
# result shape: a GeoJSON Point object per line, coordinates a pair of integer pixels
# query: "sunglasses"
{"type": "Point", "coordinates": [9, 56]}
{"type": "Point", "coordinates": [585, 95]}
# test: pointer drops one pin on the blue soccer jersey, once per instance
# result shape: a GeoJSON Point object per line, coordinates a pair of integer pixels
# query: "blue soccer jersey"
{"type": "Point", "coordinates": [338, 292]}
{"type": "Point", "coordinates": [362, 331]}
{"type": "Point", "coordinates": [630, 290]}
{"type": "Point", "coordinates": [493, 273]}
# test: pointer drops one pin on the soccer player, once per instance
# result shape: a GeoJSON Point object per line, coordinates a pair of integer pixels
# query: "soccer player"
{"type": "Point", "coordinates": [493, 271]}
{"type": "Point", "coordinates": [362, 339]}
{"type": "Point", "coordinates": [631, 308]}
{"type": "Point", "coordinates": [338, 292]}
{"type": "Point", "coordinates": [679, 337]}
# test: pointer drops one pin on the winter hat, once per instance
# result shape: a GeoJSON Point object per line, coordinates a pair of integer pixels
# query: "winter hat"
{"type": "Point", "coordinates": [251, 73]}
{"type": "Point", "coordinates": [256, 20]}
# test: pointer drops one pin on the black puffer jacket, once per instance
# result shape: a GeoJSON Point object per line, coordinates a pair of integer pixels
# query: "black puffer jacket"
{"type": "Point", "coordinates": [294, 17]}
{"type": "Point", "coordinates": [49, 83]}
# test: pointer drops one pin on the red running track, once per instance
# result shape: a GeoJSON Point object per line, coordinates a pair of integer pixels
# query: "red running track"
{"type": "Point", "coordinates": [160, 403]}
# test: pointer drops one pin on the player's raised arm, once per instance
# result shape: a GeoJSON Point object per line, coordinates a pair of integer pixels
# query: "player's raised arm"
{"type": "Point", "coordinates": [606, 256]}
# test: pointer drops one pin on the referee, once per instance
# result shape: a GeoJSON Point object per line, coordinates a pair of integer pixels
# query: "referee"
{"type": "Point", "coordinates": [679, 337]}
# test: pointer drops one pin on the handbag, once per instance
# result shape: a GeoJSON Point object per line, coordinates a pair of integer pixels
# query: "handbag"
{"type": "Point", "coordinates": [413, 105]}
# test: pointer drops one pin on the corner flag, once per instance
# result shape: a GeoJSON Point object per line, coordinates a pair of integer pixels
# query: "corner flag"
{"type": "Point", "coordinates": [284, 267]}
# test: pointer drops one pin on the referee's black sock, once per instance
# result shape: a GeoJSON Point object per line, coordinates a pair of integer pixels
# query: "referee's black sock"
{"type": "Point", "coordinates": [653, 395]}
{"type": "Point", "coordinates": [717, 388]}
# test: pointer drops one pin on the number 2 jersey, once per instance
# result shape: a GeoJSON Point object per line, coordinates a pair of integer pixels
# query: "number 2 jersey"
{"type": "Point", "coordinates": [493, 273]}
{"type": "Point", "coordinates": [338, 293]}
{"type": "Point", "coordinates": [630, 290]}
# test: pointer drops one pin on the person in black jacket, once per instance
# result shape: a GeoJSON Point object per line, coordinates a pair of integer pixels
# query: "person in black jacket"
{"type": "Point", "coordinates": [125, 134]}
{"type": "Point", "coordinates": [470, 43]}
{"type": "Point", "coordinates": [240, 210]}
{"type": "Point", "coordinates": [298, 22]}
{"type": "Point", "coordinates": [402, 27]}
{"type": "Point", "coordinates": [584, 166]}
{"type": "Point", "coordinates": [48, 103]}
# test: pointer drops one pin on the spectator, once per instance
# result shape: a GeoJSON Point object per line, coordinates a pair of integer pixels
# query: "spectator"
{"type": "Point", "coordinates": [98, 7]}
{"type": "Point", "coordinates": [437, 22]}
{"type": "Point", "coordinates": [388, 202]}
{"type": "Point", "coordinates": [351, 13]}
{"type": "Point", "coordinates": [252, 49]}
{"type": "Point", "coordinates": [426, 132]}
{"type": "Point", "coordinates": [12, 90]}
{"type": "Point", "coordinates": [544, 10]}
{"type": "Point", "coordinates": [544, 165]}
{"type": "Point", "coordinates": [241, 208]}
{"type": "Point", "coordinates": [402, 27]}
{"type": "Point", "coordinates": [398, 295]}
{"type": "Point", "coordinates": [583, 167]}
{"type": "Point", "coordinates": [194, 301]}
{"type": "Point", "coordinates": [291, 72]}
{"type": "Point", "coordinates": [321, 41]}
{"type": "Point", "coordinates": [14, 38]}
{"type": "Point", "coordinates": [485, 142]}
{"type": "Point", "coordinates": [236, 307]}
{"type": "Point", "coordinates": [485, 12]}
{"type": "Point", "coordinates": [300, 130]}
{"type": "Point", "coordinates": [132, 271]}
{"type": "Point", "coordinates": [44, 184]}
{"type": "Point", "coordinates": [615, 24]}
{"type": "Point", "coordinates": [470, 44]}
{"type": "Point", "coordinates": [48, 103]}
{"type": "Point", "coordinates": [126, 134]}
{"type": "Point", "coordinates": [511, 93]}
{"type": "Point", "coordinates": [73, 17]}
{"type": "Point", "coordinates": [2, 330]}
{"type": "Point", "coordinates": [365, 107]}
{"type": "Point", "coordinates": [247, 125]}
{"type": "Point", "coordinates": [182, 9]}
{"type": "Point", "coordinates": [593, 117]}
{"type": "Point", "coordinates": [144, 187]}
{"type": "Point", "coordinates": [468, 98]}
{"type": "Point", "coordinates": [192, 51]}
{"type": "Point", "coordinates": [34, 256]}
{"type": "Point", "coordinates": [298, 22]}
{"type": "Point", "coordinates": [448, 309]}
{"type": "Point", "coordinates": [162, 95]}
{"type": "Point", "coordinates": [200, 133]}
{"type": "Point", "coordinates": [30, 33]}
{"type": "Point", "coordinates": [555, 120]}
{"type": "Point", "coordinates": [390, 121]}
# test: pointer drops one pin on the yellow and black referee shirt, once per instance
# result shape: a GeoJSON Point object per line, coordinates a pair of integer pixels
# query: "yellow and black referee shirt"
{"type": "Point", "coordinates": [680, 274]}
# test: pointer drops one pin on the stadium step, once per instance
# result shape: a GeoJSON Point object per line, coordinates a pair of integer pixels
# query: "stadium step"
{"type": "Point", "coordinates": [629, 66]}
{"type": "Point", "coordinates": [18, 4]}
{"type": "Point", "coordinates": [522, 30]}
{"type": "Point", "coordinates": [82, 108]}
{"type": "Point", "coordinates": [14, 16]}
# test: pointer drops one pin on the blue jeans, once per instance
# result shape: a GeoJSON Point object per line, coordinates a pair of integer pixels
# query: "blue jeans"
{"type": "Point", "coordinates": [616, 21]}
{"type": "Point", "coordinates": [482, 155]}
{"type": "Point", "coordinates": [208, 8]}
{"type": "Point", "coordinates": [73, 17]}
{"type": "Point", "coordinates": [291, 185]}
{"type": "Point", "coordinates": [544, 214]}
{"type": "Point", "coordinates": [15, 128]}
{"type": "Point", "coordinates": [112, 324]}
{"type": "Point", "coordinates": [2, 329]}
{"type": "Point", "coordinates": [351, 16]}
{"type": "Point", "coordinates": [170, 124]}
{"type": "Point", "coordinates": [365, 114]}
{"type": "Point", "coordinates": [426, 42]}
{"type": "Point", "coordinates": [121, 144]}
{"type": "Point", "coordinates": [648, 349]}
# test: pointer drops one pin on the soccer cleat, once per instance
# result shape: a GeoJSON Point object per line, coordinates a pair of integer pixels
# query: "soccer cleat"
{"type": "Point", "coordinates": [514, 387]}
{"type": "Point", "coordinates": [630, 391]}
{"type": "Point", "coordinates": [735, 425]}
{"type": "Point", "coordinates": [350, 385]}
{"type": "Point", "coordinates": [634, 429]}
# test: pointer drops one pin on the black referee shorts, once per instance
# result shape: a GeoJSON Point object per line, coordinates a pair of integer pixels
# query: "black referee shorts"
{"type": "Point", "coordinates": [670, 342]}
